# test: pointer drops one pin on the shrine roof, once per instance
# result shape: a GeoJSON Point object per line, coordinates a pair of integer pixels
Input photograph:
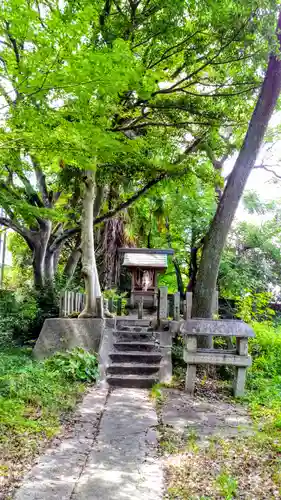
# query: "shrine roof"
{"type": "Point", "coordinates": [146, 257]}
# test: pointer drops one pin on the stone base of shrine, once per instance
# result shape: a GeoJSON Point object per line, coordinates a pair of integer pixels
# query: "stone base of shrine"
{"type": "Point", "coordinates": [62, 334]}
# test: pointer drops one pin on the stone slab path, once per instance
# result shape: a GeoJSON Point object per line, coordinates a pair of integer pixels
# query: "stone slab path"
{"type": "Point", "coordinates": [110, 454]}
{"type": "Point", "coordinates": [204, 416]}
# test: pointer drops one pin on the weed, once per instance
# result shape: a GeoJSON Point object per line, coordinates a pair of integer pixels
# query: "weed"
{"type": "Point", "coordinates": [33, 396]}
{"type": "Point", "coordinates": [75, 365]}
{"type": "Point", "coordinates": [227, 485]}
{"type": "Point", "coordinates": [156, 393]}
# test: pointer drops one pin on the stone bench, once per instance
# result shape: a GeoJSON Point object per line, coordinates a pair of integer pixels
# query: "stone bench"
{"type": "Point", "coordinates": [192, 329]}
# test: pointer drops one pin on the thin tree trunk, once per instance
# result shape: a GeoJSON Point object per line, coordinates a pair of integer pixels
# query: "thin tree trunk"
{"type": "Point", "coordinates": [175, 260]}
{"type": "Point", "coordinates": [216, 237]}
{"type": "Point", "coordinates": [89, 268]}
{"type": "Point", "coordinates": [179, 277]}
{"type": "Point", "coordinates": [193, 268]}
{"type": "Point", "coordinates": [72, 263]}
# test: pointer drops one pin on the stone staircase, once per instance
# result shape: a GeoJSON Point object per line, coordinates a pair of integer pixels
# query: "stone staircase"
{"type": "Point", "coordinates": [135, 356]}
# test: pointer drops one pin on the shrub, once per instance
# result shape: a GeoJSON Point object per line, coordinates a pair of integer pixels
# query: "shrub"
{"type": "Point", "coordinates": [33, 398]}
{"type": "Point", "coordinates": [75, 365]}
{"type": "Point", "coordinates": [113, 294]}
{"type": "Point", "coordinates": [266, 350]}
{"type": "Point", "coordinates": [18, 312]}
{"type": "Point", "coordinates": [264, 377]}
{"type": "Point", "coordinates": [254, 306]}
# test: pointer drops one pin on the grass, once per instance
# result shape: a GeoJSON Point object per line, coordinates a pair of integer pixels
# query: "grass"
{"type": "Point", "coordinates": [34, 396]}
{"type": "Point", "coordinates": [247, 467]}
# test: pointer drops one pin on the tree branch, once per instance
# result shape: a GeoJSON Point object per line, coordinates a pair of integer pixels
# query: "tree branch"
{"type": "Point", "coordinates": [63, 237]}
{"type": "Point", "coordinates": [6, 96]}
{"type": "Point", "coordinates": [13, 42]}
{"type": "Point", "coordinates": [207, 62]}
{"type": "Point", "coordinates": [163, 175]}
{"type": "Point", "coordinates": [158, 124]}
{"type": "Point", "coordinates": [166, 54]}
{"type": "Point", "coordinates": [265, 167]}
{"type": "Point", "coordinates": [30, 191]}
{"type": "Point", "coordinates": [217, 94]}
{"type": "Point", "coordinates": [41, 183]}
{"type": "Point", "coordinates": [15, 226]}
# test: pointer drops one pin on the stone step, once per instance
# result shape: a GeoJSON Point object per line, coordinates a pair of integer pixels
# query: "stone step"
{"type": "Point", "coordinates": [139, 381]}
{"type": "Point", "coordinates": [138, 329]}
{"type": "Point", "coordinates": [135, 357]}
{"type": "Point", "coordinates": [133, 322]}
{"type": "Point", "coordinates": [132, 368]}
{"type": "Point", "coordinates": [134, 336]}
{"type": "Point", "coordinates": [134, 346]}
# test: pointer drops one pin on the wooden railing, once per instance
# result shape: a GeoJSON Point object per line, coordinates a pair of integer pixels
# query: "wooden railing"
{"type": "Point", "coordinates": [172, 306]}
{"type": "Point", "coordinates": [175, 307]}
{"type": "Point", "coordinates": [72, 303]}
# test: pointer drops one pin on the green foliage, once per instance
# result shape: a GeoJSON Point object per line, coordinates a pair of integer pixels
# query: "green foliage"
{"type": "Point", "coordinates": [252, 258]}
{"type": "Point", "coordinates": [156, 393]}
{"type": "Point", "coordinates": [178, 363]}
{"type": "Point", "coordinates": [266, 351]}
{"type": "Point", "coordinates": [77, 364]}
{"type": "Point", "coordinates": [23, 312]}
{"type": "Point", "coordinates": [115, 295]}
{"type": "Point", "coordinates": [227, 485]}
{"type": "Point", "coordinates": [18, 313]}
{"type": "Point", "coordinates": [264, 379]}
{"type": "Point", "coordinates": [254, 307]}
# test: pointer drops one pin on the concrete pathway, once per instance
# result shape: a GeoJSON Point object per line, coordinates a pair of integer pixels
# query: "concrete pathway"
{"type": "Point", "coordinates": [110, 454]}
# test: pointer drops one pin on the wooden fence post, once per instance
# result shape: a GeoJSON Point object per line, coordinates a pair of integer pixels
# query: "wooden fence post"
{"type": "Point", "coordinates": [162, 309]}
{"type": "Point", "coordinates": [176, 312]}
{"type": "Point", "coordinates": [99, 302]}
{"type": "Point", "coordinates": [110, 304]}
{"type": "Point", "coordinates": [188, 306]}
{"type": "Point", "coordinates": [140, 308]}
{"type": "Point", "coordinates": [171, 306]}
{"type": "Point", "coordinates": [119, 307]}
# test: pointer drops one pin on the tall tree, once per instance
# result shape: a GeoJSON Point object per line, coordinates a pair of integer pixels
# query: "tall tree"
{"type": "Point", "coordinates": [216, 237]}
{"type": "Point", "coordinates": [132, 87]}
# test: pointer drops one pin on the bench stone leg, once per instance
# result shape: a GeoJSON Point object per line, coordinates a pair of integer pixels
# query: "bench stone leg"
{"type": "Point", "coordinates": [190, 378]}
{"type": "Point", "coordinates": [239, 382]}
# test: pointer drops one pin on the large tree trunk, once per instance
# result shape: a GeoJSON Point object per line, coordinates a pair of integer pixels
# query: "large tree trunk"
{"type": "Point", "coordinates": [38, 267]}
{"type": "Point", "coordinates": [216, 237]}
{"type": "Point", "coordinates": [89, 268]}
{"type": "Point", "coordinates": [40, 242]}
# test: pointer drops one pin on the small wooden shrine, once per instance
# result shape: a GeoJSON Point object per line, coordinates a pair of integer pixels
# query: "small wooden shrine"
{"type": "Point", "coordinates": [145, 264]}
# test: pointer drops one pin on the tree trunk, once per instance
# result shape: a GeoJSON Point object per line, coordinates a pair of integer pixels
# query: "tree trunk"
{"type": "Point", "coordinates": [216, 237]}
{"type": "Point", "coordinates": [179, 277]}
{"type": "Point", "coordinates": [89, 268]}
{"type": "Point", "coordinates": [49, 273]}
{"type": "Point", "coordinates": [38, 267]}
{"type": "Point", "coordinates": [40, 242]}
{"type": "Point", "coordinates": [72, 263]}
{"type": "Point", "coordinates": [193, 268]}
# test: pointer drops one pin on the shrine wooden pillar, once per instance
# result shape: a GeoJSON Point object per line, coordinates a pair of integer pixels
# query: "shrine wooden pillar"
{"type": "Point", "coordinates": [132, 299]}
{"type": "Point", "coordinates": [155, 296]}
